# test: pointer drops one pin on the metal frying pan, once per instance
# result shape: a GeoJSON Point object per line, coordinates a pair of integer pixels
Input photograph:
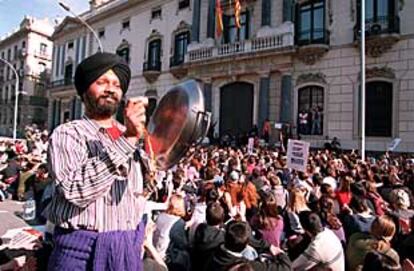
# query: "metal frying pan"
{"type": "Point", "coordinates": [179, 121]}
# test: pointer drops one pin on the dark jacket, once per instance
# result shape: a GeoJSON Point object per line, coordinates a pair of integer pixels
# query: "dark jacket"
{"type": "Point", "coordinates": [206, 240]}
{"type": "Point", "coordinates": [222, 261]}
{"type": "Point", "coordinates": [178, 255]}
{"type": "Point", "coordinates": [357, 223]}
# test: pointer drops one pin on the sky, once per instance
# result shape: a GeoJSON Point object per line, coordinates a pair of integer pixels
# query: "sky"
{"type": "Point", "coordinates": [12, 12]}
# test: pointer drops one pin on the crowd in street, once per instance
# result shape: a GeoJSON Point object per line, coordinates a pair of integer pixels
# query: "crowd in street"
{"type": "Point", "coordinates": [224, 208]}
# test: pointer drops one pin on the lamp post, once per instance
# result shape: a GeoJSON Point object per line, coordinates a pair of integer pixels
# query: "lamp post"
{"type": "Point", "coordinates": [67, 8]}
{"type": "Point", "coordinates": [362, 80]}
{"type": "Point", "coordinates": [16, 100]}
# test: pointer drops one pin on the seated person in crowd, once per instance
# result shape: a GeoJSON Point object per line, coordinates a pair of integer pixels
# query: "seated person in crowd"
{"type": "Point", "coordinates": [325, 248]}
{"type": "Point", "coordinates": [229, 254]}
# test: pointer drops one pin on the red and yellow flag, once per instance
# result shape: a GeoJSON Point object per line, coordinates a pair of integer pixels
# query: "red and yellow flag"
{"type": "Point", "coordinates": [219, 18]}
{"type": "Point", "coordinates": [237, 10]}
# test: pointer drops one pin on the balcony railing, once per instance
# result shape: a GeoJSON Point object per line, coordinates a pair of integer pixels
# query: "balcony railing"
{"type": "Point", "coordinates": [61, 83]}
{"type": "Point", "coordinates": [315, 36]}
{"type": "Point", "coordinates": [242, 47]}
{"type": "Point", "coordinates": [379, 25]}
{"type": "Point", "coordinates": [176, 60]}
{"type": "Point", "coordinates": [152, 66]}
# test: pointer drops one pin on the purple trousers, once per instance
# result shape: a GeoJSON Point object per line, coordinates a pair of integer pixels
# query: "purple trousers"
{"type": "Point", "coordinates": [88, 250]}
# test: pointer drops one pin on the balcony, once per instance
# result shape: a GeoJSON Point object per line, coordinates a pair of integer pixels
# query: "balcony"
{"type": "Point", "coordinates": [312, 45]}
{"type": "Point", "coordinates": [275, 43]}
{"type": "Point", "coordinates": [151, 70]}
{"type": "Point", "coordinates": [381, 34]}
{"type": "Point", "coordinates": [176, 66]}
{"type": "Point", "coordinates": [61, 84]}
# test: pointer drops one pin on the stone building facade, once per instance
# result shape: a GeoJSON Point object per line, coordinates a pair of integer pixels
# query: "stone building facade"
{"type": "Point", "coordinates": [301, 56]}
{"type": "Point", "coordinates": [29, 50]}
{"type": "Point", "coordinates": [289, 60]}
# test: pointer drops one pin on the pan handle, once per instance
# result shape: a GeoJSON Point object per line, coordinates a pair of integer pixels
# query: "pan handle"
{"type": "Point", "coordinates": [203, 121]}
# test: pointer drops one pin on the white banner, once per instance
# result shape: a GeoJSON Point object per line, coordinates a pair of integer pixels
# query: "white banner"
{"type": "Point", "coordinates": [394, 144]}
{"type": "Point", "coordinates": [297, 154]}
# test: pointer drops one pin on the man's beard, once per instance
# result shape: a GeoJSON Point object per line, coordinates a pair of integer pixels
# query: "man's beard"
{"type": "Point", "coordinates": [101, 107]}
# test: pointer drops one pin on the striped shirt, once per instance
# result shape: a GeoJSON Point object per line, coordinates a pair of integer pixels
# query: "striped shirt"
{"type": "Point", "coordinates": [98, 181]}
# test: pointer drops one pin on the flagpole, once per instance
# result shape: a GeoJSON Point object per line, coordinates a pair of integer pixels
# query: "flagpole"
{"type": "Point", "coordinates": [363, 80]}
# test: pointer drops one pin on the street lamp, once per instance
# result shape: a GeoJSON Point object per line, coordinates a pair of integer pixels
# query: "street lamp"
{"type": "Point", "coordinates": [16, 101]}
{"type": "Point", "coordinates": [67, 8]}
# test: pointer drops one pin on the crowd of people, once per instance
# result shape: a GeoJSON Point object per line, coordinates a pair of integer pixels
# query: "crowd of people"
{"type": "Point", "coordinates": [222, 208]}
{"type": "Point", "coordinates": [23, 168]}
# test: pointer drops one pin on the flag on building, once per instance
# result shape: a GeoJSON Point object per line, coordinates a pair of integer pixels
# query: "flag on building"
{"type": "Point", "coordinates": [219, 18]}
{"type": "Point", "coordinates": [237, 10]}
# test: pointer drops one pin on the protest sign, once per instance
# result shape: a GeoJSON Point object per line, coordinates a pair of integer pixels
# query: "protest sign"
{"type": "Point", "coordinates": [297, 154]}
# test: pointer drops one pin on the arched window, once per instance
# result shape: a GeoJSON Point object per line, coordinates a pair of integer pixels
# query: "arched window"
{"type": "Point", "coordinates": [378, 112]}
{"type": "Point", "coordinates": [310, 110]}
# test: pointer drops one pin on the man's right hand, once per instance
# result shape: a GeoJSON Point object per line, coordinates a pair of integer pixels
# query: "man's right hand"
{"type": "Point", "coordinates": [134, 117]}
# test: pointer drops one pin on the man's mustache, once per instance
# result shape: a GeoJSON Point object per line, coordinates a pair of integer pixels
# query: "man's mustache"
{"type": "Point", "coordinates": [112, 96]}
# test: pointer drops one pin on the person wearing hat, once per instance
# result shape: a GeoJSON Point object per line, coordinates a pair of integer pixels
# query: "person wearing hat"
{"type": "Point", "coordinates": [95, 166]}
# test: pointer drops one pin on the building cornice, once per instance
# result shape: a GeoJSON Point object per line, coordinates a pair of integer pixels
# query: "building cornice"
{"type": "Point", "coordinates": [60, 30]}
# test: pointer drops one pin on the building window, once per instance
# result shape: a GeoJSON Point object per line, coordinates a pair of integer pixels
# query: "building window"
{"type": "Point", "coordinates": [101, 33]}
{"type": "Point", "coordinates": [43, 48]}
{"type": "Point", "coordinates": [310, 110]}
{"type": "Point", "coordinates": [180, 48]}
{"type": "Point", "coordinates": [231, 32]}
{"type": "Point", "coordinates": [23, 44]}
{"type": "Point", "coordinates": [183, 4]}
{"type": "Point", "coordinates": [311, 23]}
{"type": "Point", "coordinates": [125, 24]}
{"type": "Point", "coordinates": [152, 104]}
{"type": "Point", "coordinates": [381, 16]}
{"type": "Point", "coordinates": [124, 53]}
{"type": "Point", "coordinates": [66, 116]}
{"type": "Point", "coordinates": [14, 74]}
{"type": "Point", "coordinates": [154, 56]}
{"type": "Point", "coordinates": [70, 45]}
{"type": "Point", "coordinates": [2, 54]}
{"type": "Point", "coordinates": [6, 94]}
{"type": "Point", "coordinates": [8, 54]}
{"type": "Point", "coordinates": [156, 13]}
{"type": "Point", "coordinates": [378, 109]}
{"type": "Point", "coordinates": [15, 52]}
{"type": "Point", "coordinates": [68, 74]}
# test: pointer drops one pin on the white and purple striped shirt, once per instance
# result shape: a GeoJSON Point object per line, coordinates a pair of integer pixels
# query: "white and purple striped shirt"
{"type": "Point", "coordinates": [98, 182]}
